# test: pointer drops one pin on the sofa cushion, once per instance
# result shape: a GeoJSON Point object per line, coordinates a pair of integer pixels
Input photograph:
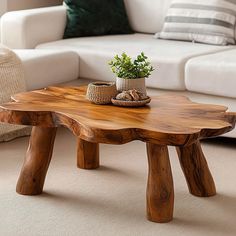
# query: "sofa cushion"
{"type": "Point", "coordinates": [147, 16]}
{"type": "Point", "coordinates": [92, 17]}
{"type": "Point", "coordinates": [212, 22]}
{"type": "Point", "coordinates": [167, 57]}
{"type": "Point", "coordinates": [213, 74]}
{"type": "Point", "coordinates": [47, 67]}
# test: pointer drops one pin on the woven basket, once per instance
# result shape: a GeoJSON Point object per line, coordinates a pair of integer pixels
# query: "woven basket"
{"type": "Point", "coordinates": [101, 92]}
{"type": "Point", "coordinates": [12, 81]}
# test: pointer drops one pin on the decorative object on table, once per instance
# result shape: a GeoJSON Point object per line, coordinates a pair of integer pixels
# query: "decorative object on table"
{"type": "Point", "coordinates": [126, 103]}
{"type": "Point", "coordinates": [92, 18]}
{"type": "Point", "coordinates": [131, 98]}
{"type": "Point", "coordinates": [131, 95]}
{"type": "Point", "coordinates": [130, 73]}
{"type": "Point", "coordinates": [12, 81]}
{"type": "Point", "coordinates": [190, 20]}
{"type": "Point", "coordinates": [101, 92]}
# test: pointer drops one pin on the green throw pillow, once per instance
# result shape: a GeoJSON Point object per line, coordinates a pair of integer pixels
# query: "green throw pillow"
{"type": "Point", "coordinates": [96, 17]}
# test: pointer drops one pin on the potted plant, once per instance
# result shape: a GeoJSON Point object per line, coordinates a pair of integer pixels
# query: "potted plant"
{"type": "Point", "coordinates": [130, 73]}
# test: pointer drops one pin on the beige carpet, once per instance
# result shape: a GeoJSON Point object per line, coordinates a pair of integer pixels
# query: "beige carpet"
{"type": "Point", "coordinates": [111, 200]}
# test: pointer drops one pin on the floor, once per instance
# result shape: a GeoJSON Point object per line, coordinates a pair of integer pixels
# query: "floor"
{"type": "Point", "coordinates": [111, 200]}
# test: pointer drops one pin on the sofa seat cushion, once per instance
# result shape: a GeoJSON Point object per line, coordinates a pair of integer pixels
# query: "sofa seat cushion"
{"type": "Point", "coordinates": [213, 74]}
{"type": "Point", "coordinates": [167, 57]}
{"type": "Point", "coordinates": [47, 67]}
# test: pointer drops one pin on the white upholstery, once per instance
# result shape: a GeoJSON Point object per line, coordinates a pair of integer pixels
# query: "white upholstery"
{"type": "Point", "coordinates": [47, 67]}
{"type": "Point", "coordinates": [28, 28]}
{"type": "Point", "coordinates": [147, 16]}
{"type": "Point", "coordinates": [95, 52]}
{"type": "Point", "coordinates": [213, 74]}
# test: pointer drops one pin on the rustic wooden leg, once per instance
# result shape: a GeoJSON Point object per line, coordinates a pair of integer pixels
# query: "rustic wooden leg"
{"type": "Point", "coordinates": [160, 191]}
{"type": "Point", "coordinates": [87, 155]}
{"type": "Point", "coordinates": [37, 160]}
{"type": "Point", "coordinates": [196, 171]}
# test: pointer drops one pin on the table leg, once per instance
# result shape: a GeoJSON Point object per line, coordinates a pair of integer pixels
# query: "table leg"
{"type": "Point", "coordinates": [160, 191]}
{"type": "Point", "coordinates": [196, 171]}
{"type": "Point", "coordinates": [87, 155]}
{"type": "Point", "coordinates": [37, 161]}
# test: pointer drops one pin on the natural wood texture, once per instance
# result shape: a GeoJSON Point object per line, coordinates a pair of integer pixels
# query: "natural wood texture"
{"type": "Point", "coordinates": [168, 120]}
{"type": "Point", "coordinates": [87, 155]}
{"type": "Point", "coordinates": [196, 171]}
{"type": "Point", "coordinates": [37, 160]}
{"type": "Point", "coordinates": [160, 191]}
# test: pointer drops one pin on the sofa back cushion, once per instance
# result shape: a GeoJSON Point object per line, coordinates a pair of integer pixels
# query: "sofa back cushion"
{"type": "Point", "coordinates": [93, 18]}
{"type": "Point", "coordinates": [211, 22]}
{"type": "Point", "coordinates": [147, 16]}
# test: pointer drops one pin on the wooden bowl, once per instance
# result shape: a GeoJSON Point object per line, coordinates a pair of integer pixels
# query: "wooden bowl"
{"type": "Point", "coordinates": [124, 103]}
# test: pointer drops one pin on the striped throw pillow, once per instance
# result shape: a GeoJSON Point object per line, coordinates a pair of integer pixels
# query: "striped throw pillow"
{"type": "Point", "coordinates": [203, 21]}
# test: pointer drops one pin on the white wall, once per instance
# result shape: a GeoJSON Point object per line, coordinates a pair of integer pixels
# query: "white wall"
{"type": "Point", "coordinates": [24, 4]}
{"type": "Point", "coordinates": [13, 5]}
{"type": "Point", "coordinates": [3, 6]}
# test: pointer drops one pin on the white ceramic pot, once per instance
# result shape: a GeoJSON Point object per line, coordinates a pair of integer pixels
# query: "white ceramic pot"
{"type": "Point", "coordinates": [128, 84]}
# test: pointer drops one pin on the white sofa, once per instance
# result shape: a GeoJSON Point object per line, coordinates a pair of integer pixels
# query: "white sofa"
{"type": "Point", "coordinates": [205, 73]}
{"type": "Point", "coordinates": [46, 67]}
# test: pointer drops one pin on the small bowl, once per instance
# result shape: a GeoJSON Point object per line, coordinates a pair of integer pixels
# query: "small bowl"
{"type": "Point", "coordinates": [123, 103]}
{"type": "Point", "coordinates": [101, 92]}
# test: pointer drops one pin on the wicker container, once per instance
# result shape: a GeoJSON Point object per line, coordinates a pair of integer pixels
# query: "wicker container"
{"type": "Point", "coordinates": [129, 84]}
{"type": "Point", "coordinates": [101, 92]}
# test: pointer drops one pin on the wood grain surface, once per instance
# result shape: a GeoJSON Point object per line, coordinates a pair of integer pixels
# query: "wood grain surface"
{"type": "Point", "coordinates": [37, 160]}
{"type": "Point", "coordinates": [168, 120]}
{"type": "Point", "coordinates": [194, 165]}
{"type": "Point", "coordinates": [160, 190]}
{"type": "Point", "coordinates": [87, 155]}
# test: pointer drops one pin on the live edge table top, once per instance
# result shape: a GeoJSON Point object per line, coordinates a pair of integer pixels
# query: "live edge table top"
{"type": "Point", "coordinates": [168, 119]}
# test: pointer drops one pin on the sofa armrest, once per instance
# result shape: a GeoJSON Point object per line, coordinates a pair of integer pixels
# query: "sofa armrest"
{"type": "Point", "coordinates": [28, 28]}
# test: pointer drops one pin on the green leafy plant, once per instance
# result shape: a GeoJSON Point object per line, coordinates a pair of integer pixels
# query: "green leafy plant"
{"type": "Point", "coordinates": [124, 67]}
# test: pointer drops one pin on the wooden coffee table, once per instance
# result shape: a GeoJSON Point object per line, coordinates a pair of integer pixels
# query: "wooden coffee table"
{"type": "Point", "coordinates": [168, 120]}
